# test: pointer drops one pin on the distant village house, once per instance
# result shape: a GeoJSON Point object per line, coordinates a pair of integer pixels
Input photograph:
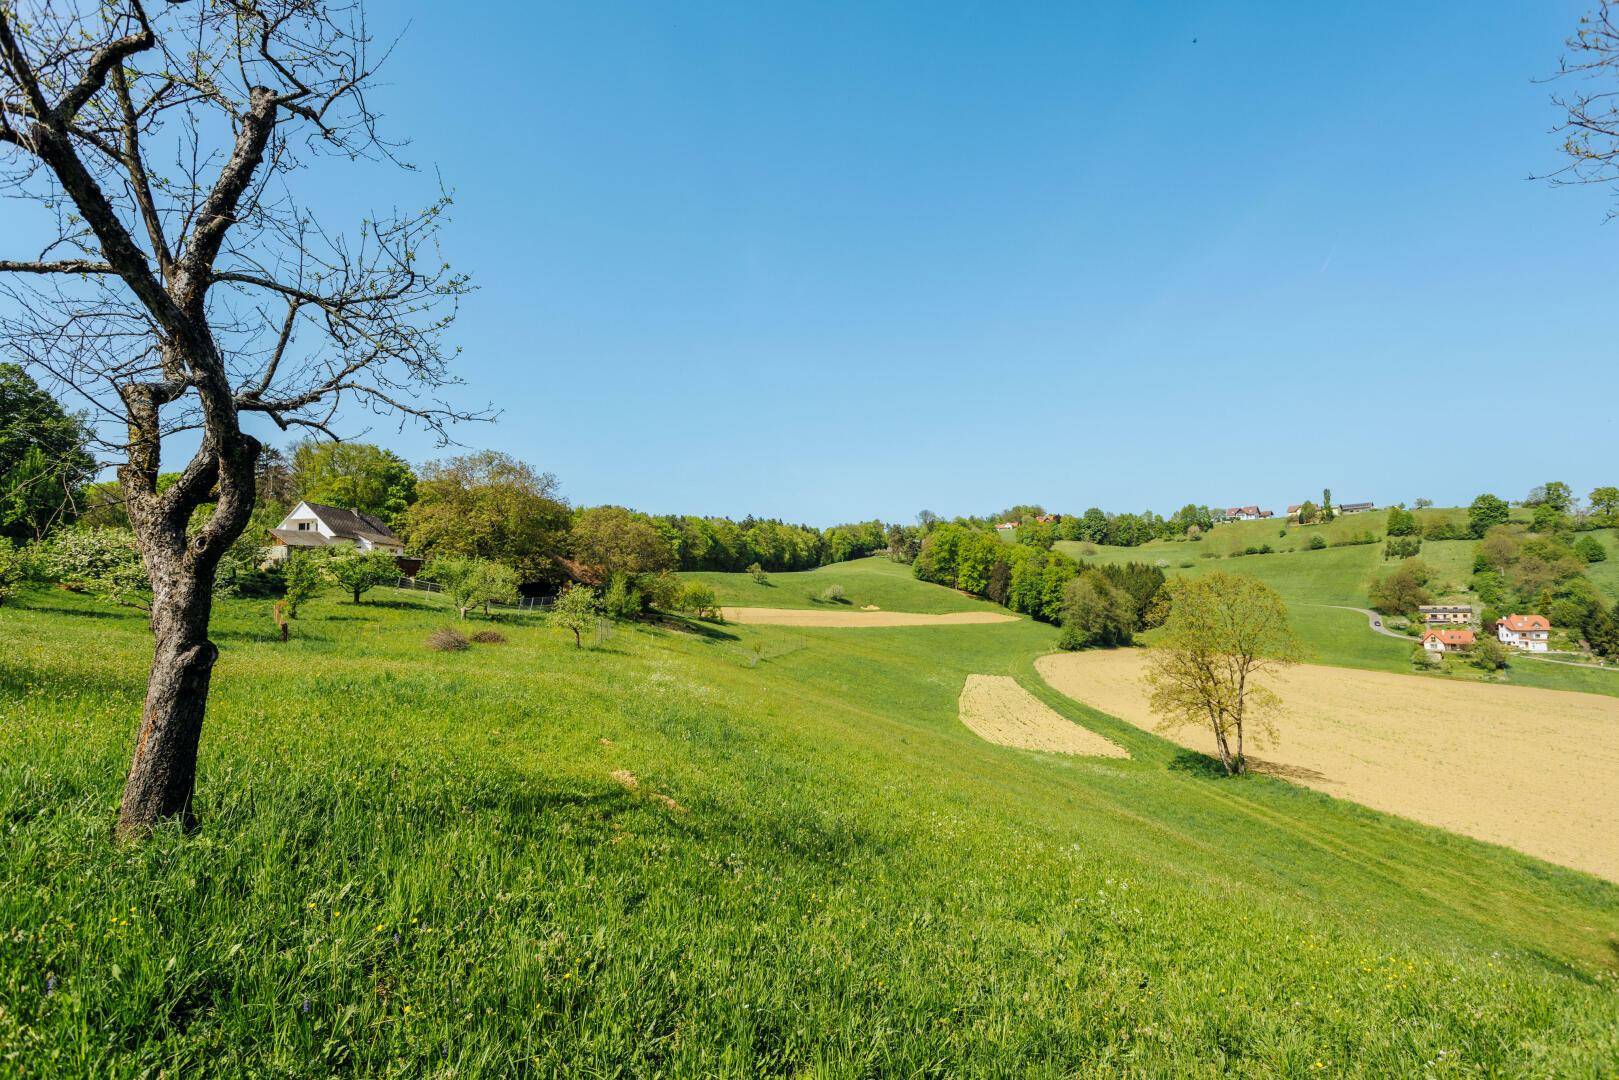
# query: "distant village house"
{"type": "Point", "coordinates": [1433, 614]}
{"type": "Point", "coordinates": [312, 525]}
{"type": "Point", "coordinates": [1531, 633]}
{"type": "Point", "coordinates": [1247, 513]}
{"type": "Point", "coordinates": [1440, 641]}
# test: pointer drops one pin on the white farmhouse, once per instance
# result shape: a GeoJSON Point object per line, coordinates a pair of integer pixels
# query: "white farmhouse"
{"type": "Point", "coordinates": [314, 525]}
{"type": "Point", "coordinates": [1526, 632]}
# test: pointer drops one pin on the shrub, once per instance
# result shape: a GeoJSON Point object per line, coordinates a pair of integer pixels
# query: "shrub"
{"type": "Point", "coordinates": [1402, 590]}
{"type": "Point", "coordinates": [833, 594]}
{"type": "Point", "coordinates": [758, 574]}
{"type": "Point", "coordinates": [1402, 547]}
{"type": "Point", "coordinates": [1590, 549]}
{"type": "Point", "coordinates": [698, 599]}
{"type": "Point", "coordinates": [446, 640]}
{"type": "Point", "coordinates": [1488, 654]}
{"type": "Point", "coordinates": [102, 562]}
{"type": "Point", "coordinates": [1266, 549]}
{"type": "Point", "coordinates": [489, 637]}
{"type": "Point", "coordinates": [622, 600]}
{"type": "Point", "coordinates": [301, 575]}
{"type": "Point", "coordinates": [1317, 542]}
{"type": "Point", "coordinates": [12, 567]}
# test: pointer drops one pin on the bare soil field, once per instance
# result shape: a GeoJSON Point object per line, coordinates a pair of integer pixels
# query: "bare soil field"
{"type": "Point", "coordinates": [764, 616]}
{"type": "Point", "coordinates": [1536, 770]}
{"type": "Point", "coordinates": [997, 709]}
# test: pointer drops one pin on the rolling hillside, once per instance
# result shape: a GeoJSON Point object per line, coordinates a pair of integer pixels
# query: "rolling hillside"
{"type": "Point", "coordinates": [1317, 584]}
{"type": "Point", "coordinates": [726, 850]}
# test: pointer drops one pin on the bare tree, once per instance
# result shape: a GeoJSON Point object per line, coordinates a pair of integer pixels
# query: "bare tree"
{"type": "Point", "coordinates": [184, 285]}
{"type": "Point", "coordinates": [1590, 126]}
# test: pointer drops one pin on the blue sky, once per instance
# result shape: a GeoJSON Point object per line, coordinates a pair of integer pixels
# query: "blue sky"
{"type": "Point", "coordinates": [836, 261]}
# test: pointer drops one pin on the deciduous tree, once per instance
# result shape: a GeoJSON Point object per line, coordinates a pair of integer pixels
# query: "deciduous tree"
{"type": "Point", "coordinates": [490, 506]}
{"type": "Point", "coordinates": [359, 571]}
{"type": "Point", "coordinates": [355, 476]}
{"type": "Point", "coordinates": [186, 287]}
{"type": "Point", "coordinates": [1223, 633]}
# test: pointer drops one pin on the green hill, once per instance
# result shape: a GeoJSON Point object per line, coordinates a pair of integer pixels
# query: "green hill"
{"type": "Point", "coordinates": [1317, 584]}
{"type": "Point", "coordinates": [880, 581]}
{"type": "Point", "coordinates": [725, 850]}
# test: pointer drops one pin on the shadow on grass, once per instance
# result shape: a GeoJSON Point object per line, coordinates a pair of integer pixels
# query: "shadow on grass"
{"type": "Point", "coordinates": [695, 627]}
{"type": "Point", "coordinates": [1193, 763]}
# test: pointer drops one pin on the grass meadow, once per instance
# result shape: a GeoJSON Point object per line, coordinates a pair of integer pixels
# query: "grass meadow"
{"type": "Point", "coordinates": [423, 864]}
{"type": "Point", "coordinates": [1317, 584]}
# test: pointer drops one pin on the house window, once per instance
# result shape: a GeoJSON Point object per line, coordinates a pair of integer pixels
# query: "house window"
{"type": "Point", "coordinates": [305, 526]}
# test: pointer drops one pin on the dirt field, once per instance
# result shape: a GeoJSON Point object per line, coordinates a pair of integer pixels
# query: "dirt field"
{"type": "Point", "coordinates": [997, 709]}
{"type": "Point", "coordinates": [1536, 770]}
{"type": "Point", "coordinates": [765, 616]}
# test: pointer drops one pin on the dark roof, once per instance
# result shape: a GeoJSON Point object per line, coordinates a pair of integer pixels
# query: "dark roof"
{"type": "Point", "coordinates": [352, 524]}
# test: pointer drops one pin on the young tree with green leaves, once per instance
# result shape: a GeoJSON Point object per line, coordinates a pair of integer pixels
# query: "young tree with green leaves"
{"type": "Point", "coordinates": [1485, 513]}
{"type": "Point", "coordinates": [1327, 512]}
{"type": "Point", "coordinates": [577, 609]}
{"type": "Point", "coordinates": [1096, 612]}
{"type": "Point", "coordinates": [360, 571]}
{"type": "Point", "coordinates": [302, 574]}
{"type": "Point", "coordinates": [1605, 504]}
{"type": "Point", "coordinates": [1223, 633]}
{"type": "Point", "coordinates": [13, 568]}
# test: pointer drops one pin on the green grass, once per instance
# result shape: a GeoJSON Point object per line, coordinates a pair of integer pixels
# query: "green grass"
{"type": "Point", "coordinates": [415, 863]}
{"type": "Point", "coordinates": [877, 580]}
{"type": "Point", "coordinates": [1312, 582]}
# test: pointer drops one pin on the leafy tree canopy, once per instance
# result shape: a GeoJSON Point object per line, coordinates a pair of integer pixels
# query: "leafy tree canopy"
{"type": "Point", "coordinates": [352, 475]}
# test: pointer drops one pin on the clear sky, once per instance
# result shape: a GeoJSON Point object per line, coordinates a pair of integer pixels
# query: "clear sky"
{"type": "Point", "coordinates": [836, 261]}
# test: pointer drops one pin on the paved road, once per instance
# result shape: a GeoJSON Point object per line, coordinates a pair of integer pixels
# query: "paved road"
{"type": "Point", "coordinates": [1373, 620]}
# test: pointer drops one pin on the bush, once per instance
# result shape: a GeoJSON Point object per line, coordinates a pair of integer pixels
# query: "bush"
{"type": "Point", "coordinates": [1590, 549]}
{"type": "Point", "coordinates": [833, 594]}
{"type": "Point", "coordinates": [488, 637]}
{"type": "Point", "coordinates": [1318, 542]}
{"type": "Point", "coordinates": [1402, 590]}
{"type": "Point", "coordinates": [102, 562]}
{"type": "Point", "coordinates": [698, 599]}
{"type": "Point", "coordinates": [446, 640]}
{"type": "Point", "coordinates": [1488, 654]}
{"type": "Point", "coordinates": [758, 574]}
{"type": "Point", "coordinates": [622, 600]}
{"type": "Point", "coordinates": [13, 567]}
{"type": "Point", "coordinates": [1402, 547]}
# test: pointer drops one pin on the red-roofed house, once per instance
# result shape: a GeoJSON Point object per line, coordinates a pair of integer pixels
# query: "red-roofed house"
{"type": "Point", "coordinates": [1526, 632]}
{"type": "Point", "coordinates": [1447, 640]}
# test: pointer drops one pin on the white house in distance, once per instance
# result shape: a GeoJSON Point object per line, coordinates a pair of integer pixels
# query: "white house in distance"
{"type": "Point", "coordinates": [1438, 641]}
{"type": "Point", "coordinates": [313, 525]}
{"type": "Point", "coordinates": [1526, 632]}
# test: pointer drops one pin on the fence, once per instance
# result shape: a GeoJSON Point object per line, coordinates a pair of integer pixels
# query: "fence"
{"type": "Point", "coordinates": [525, 603]}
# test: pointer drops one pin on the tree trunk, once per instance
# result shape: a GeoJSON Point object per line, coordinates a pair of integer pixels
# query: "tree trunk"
{"type": "Point", "coordinates": [164, 771]}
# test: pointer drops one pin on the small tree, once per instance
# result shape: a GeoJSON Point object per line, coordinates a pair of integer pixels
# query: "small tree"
{"type": "Point", "coordinates": [1402, 522]}
{"type": "Point", "coordinates": [469, 583]}
{"type": "Point", "coordinates": [302, 576]}
{"type": "Point", "coordinates": [699, 600]}
{"type": "Point", "coordinates": [622, 599]}
{"type": "Point", "coordinates": [1327, 512]}
{"type": "Point", "coordinates": [758, 573]}
{"type": "Point", "coordinates": [1224, 630]}
{"type": "Point", "coordinates": [1317, 542]}
{"type": "Point", "coordinates": [1402, 590]}
{"type": "Point", "coordinates": [1590, 549]}
{"type": "Point", "coordinates": [1488, 654]}
{"type": "Point", "coordinates": [359, 571]}
{"type": "Point", "coordinates": [1485, 513]}
{"type": "Point", "coordinates": [577, 609]}
{"type": "Point", "coordinates": [1095, 611]}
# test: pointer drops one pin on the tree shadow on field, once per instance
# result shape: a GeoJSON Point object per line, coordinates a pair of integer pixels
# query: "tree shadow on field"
{"type": "Point", "coordinates": [1193, 763]}
{"type": "Point", "coordinates": [695, 627]}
